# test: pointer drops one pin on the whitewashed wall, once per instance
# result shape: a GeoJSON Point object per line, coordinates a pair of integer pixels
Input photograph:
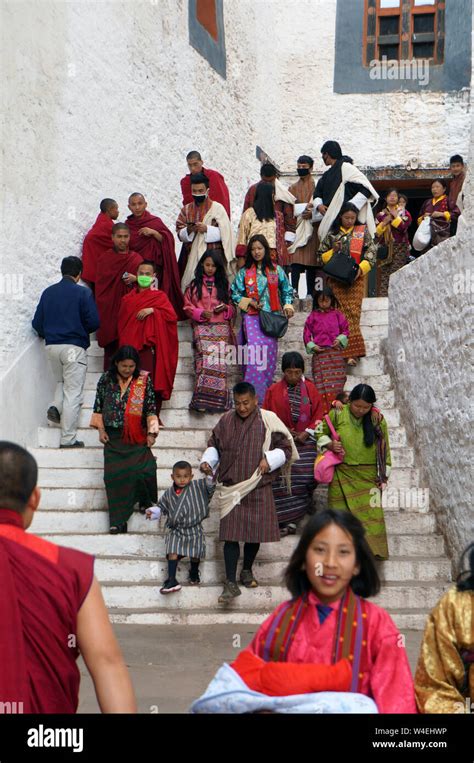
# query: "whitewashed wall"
{"type": "Point", "coordinates": [429, 350]}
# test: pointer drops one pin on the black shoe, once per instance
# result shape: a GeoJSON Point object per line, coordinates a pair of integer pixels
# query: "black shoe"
{"type": "Point", "coordinates": [194, 579]}
{"type": "Point", "coordinates": [52, 414]}
{"type": "Point", "coordinates": [170, 586]}
{"type": "Point", "coordinates": [76, 444]}
{"type": "Point", "coordinates": [118, 529]}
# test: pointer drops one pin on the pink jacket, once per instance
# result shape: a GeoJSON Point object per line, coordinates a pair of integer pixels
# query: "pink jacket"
{"type": "Point", "coordinates": [323, 328]}
{"type": "Point", "coordinates": [194, 307]}
{"type": "Point", "coordinates": [388, 682]}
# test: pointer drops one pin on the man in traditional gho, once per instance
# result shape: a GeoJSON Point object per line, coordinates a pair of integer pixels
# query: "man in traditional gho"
{"type": "Point", "coordinates": [203, 225]}
{"type": "Point", "coordinates": [304, 247]}
{"type": "Point", "coordinates": [248, 447]}
{"type": "Point", "coordinates": [340, 184]}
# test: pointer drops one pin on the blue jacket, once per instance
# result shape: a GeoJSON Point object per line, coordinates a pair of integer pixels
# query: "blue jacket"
{"type": "Point", "coordinates": [66, 314]}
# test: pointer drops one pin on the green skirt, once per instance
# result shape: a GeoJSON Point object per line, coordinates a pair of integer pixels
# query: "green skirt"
{"type": "Point", "coordinates": [129, 476]}
{"type": "Point", "coordinates": [353, 489]}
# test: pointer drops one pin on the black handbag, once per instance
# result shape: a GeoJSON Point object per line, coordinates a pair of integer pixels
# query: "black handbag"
{"type": "Point", "coordinates": [382, 252]}
{"type": "Point", "coordinates": [273, 324]}
{"type": "Point", "coordinates": [342, 267]}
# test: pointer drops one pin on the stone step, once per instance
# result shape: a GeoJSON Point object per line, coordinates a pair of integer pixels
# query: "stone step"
{"type": "Point", "coordinates": [212, 570]}
{"type": "Point", "coordinates": [148, 545]}
{"type": "Point", "coordinates": [97, 521]}
{"type": "Point", "coordinates": [93, 478]}
{"type": "Point", "coordinates": [92, 458]}
{"type": "Point", "coordinates": [410, 595]}
{"type": "Point", "coordinates": [48, 437]}
{"type": "Point", "coordinates": [404, 619]}
{"type": "Point", "coordinates": [414, 500]}
{"type": "Point", "coordinates": [183, 418]}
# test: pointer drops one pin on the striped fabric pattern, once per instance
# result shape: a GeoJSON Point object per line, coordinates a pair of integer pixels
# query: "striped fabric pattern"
{"type": "Point", "coordinates": [350, 301]}
{"type": "Point", "coordinates": [329, 374]}
{"type": "Point", "coordinates": [239, 443]}
{"type": "Point", "coordinates": [184, 515]}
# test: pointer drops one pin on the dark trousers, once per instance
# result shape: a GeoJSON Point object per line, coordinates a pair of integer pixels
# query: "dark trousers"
{"type": "Point", "coordinates": [231, 557]}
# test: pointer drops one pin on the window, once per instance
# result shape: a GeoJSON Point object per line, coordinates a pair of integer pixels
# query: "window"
{"type": "Point", "coordinates": [404, 30]}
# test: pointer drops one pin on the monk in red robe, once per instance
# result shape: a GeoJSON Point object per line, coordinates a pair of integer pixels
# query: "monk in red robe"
{"type": "Point", "coordinates": [51, 609]}
{"type": "Point", "coordinates": [99, 239]}
{"type": "Point", "coordinates": [148, 322]}
{"type": "Point", "coordinates": [116, 272]}
{"type": "Point", "coordinates": [155, 243]}
{"type": "Point", "coordinates": [218, 190]}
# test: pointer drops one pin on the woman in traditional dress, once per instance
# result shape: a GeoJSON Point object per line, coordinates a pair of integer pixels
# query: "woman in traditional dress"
{"type": "Point", "coordinates": [207, 304]}
{"type": "Point", "coordinates": [297, 403]}
{"type": "Point", "coordinates": [269, 218]}
{"type": "Point", "coordinates": [347, 236]}
{"type": "Point", "coordinates": [325, 335]}
{"type": "Point", "coordinates": [125, 415]}
{"type": "Point", "coordinates": [392, 234]}
{"type": "Point", "coordinates": [260, 285]}
{"type": "Point", "coordinates": [327, 649]}
{"type": "Point", "coordinates": [359, 479]}
{"type": "Point", "coordinates": [444, 679]}
{"type": "Point", "coordinates": [441, 211]}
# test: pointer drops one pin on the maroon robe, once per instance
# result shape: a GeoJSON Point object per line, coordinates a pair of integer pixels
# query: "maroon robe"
{"type": "Point", "coordinates": [97, 241]}
{"type": "Point", "coordinates": [218, 190]}
{"type": "Point", "coordinates": [42, 589]}
{"type": "Point", "coordinates": [110, 288]}
{"type": "Point", "coordinates": [162, 253]}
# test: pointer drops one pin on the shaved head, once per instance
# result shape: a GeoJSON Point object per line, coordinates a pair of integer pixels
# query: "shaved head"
{"type": "Point", "coordinates": [107, 204]}
{"type": "Point", "coordinates": [135, 195]}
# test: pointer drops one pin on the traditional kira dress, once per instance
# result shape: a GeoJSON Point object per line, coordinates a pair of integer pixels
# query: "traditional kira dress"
{"type": "Point", "coordinates": [329, 369]}
{"type": "Point", "coordinates": [129, 466]}
{"type": "Point", "coordinates": [299, 407]}
{"type": "Point", "coordinates": [358, 242]}
{"type": "Point", "coordinates": [355, 482]}
{"type": "Point", "coordinates": [185, 511]}
{"type": "Point", "coordinates": [273, 290]}
{"type": "Point", "coordinates": [393, 233]}
{"type": "Point", "coordinates": [210, 341]}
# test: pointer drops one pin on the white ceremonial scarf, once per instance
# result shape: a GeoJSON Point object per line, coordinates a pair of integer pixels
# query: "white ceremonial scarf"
{"type": "Point", "coordinates": [350, 174]}
{"type": "Point", "coordinates": [226, 497]}
{"type": "Point", "coordinates": [215, 212]}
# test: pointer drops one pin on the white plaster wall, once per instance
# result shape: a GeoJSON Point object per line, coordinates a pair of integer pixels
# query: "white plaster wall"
{"type": "Point", "coordinates": [375, 129]}
{"type": "Point", "coordinates": [429, 351]}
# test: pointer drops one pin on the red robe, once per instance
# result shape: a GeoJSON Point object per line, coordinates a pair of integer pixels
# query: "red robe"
{"type": "Point", "coordinates": [218, 190]}
{"type": "Point", "coordinates": [97, 241]}
{"type": "Point", "coordinates": [276, 400]}
{"type": "Point", "coordinates": [42, 589]}
{"type": "Point", "coordinates": [158, 330]}
{"type": "Point", "coordinates": [162, 253]}
{"type": "Point", "coordinates": [110, 288]}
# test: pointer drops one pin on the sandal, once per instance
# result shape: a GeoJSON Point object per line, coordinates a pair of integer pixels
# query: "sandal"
{"type": "Point", "coordinates": [291, 529]}
{"type": "Point", "coordinates": [118, 529]}
{"type": "Point", "coordinates": [352, 361]}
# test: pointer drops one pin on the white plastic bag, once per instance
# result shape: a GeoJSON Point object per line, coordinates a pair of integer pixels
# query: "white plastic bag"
{"type": "Point", "coordinates": [422, 237]}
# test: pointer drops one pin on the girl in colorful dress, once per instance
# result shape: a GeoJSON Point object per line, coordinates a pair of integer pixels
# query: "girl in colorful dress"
{"type": "Point", "coordinates": [392, 232]}
{"type": "Point", "coordinates": [207, 303]}
{"type": "Point", "coordinates": [348, 236]}
{"type": "Point", "coordinates": [328, 649]}
{"type": "Point", "coordinates": [260, 285]}
{"type": "Point", "coordinates": [441, 211]}
{"type": "Point", "coordinates": [325, 335]}
{"type": "Point", "coordinates": [125, 415]}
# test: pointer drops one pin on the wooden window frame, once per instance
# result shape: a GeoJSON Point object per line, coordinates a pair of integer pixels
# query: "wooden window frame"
{"type": "Point", "coordinates": [406, 13]}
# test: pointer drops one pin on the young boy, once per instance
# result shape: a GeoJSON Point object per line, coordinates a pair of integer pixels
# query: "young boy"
{"type": "Point", "coordinates": [186, 504]}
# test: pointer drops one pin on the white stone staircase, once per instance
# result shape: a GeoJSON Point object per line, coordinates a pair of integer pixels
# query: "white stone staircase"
{"type": "Point", "coordinates": [131, 567]}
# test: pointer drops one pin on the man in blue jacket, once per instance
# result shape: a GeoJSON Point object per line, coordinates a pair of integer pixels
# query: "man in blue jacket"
{"type": "Point", "coordinates": [65, 316]}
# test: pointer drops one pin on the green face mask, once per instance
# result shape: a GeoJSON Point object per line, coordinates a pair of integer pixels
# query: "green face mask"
{"type": "Point", "coordinates": [144, 281]}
